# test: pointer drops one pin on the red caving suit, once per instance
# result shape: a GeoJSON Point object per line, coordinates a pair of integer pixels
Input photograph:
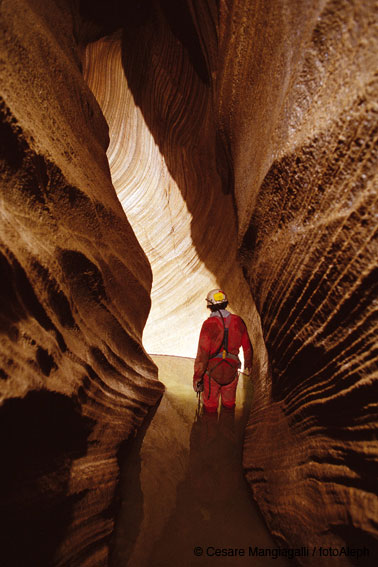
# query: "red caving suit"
{"type": "Point", "coordinates": [224, 378]}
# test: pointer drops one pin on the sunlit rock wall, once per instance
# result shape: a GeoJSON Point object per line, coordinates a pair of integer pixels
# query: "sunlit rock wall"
{"type": "Point", "coordinates": [75, 286]}
{"type": "Point", "coordinates": [162, 157]}
{"type": "Point", "coordinates": [154, 206]}
{"type": "Point", "coordinates": [265, 110]}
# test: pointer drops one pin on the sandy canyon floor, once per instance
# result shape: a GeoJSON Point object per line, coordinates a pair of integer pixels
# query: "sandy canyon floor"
{"type": "Point", "coordinates": [182, 485]}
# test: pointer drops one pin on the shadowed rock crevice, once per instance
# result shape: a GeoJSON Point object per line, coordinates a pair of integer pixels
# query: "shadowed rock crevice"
{"type": "Point", "coordinates": [83, 275]}
{"type": "Point", "coordinates": [40, 437]}
{"type": "Point", "coordinates": [129, 507]}
{"type": "Point", "coordinates": [19, 298]}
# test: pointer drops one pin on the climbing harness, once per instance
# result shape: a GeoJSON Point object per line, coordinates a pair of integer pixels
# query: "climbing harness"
{"type": "Point", "coordinates": [223, 355]}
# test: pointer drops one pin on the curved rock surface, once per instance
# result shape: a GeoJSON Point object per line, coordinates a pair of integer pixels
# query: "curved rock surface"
{"type": "Point", "coordinates": [75, 285]}
{"type": "Point", "coordinates": [243, 149]}
{"type": "Point", "coordinates": [310, 257]}
{"type": "Point", "coordinates": [284, 95]}
{"type": "Point", "coordinates": [164, 170]}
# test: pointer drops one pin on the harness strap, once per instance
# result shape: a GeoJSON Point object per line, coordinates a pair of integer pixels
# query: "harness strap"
{"type": "Point", "coordinates": [224, 342]}
{"type": "Point", "coordinates": [223, 356]}
{"type": "Point", "coordinates": [229, 355]}
{"type": "Point", "coordinates": [215, 380]}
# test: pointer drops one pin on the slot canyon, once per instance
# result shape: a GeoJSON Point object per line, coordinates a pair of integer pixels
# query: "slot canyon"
{"type": "Point", "coordinates": [152, 151]}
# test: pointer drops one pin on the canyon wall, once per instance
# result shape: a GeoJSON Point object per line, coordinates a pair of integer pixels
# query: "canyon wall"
{"type": "Point", "coordinates": [310, 256]}
{"type": "Point", "coordinates": [163, 165]}
{"type": "Point", "coordinates": [75, 294]}
{"type": "Point", "coordinates": [266, 113]}
{"type": "Point", "coordinates": [165, 206]}
{"type": "Point", "coordinates": [243, 149]}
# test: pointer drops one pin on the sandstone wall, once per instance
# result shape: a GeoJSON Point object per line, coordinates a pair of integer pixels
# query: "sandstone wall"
{"type": "Point", "coordinates": [251, 129]}
{"type": "Point", "coordinates": [310, 257]}
{"type": "Point", "coordinates": [75, 285]}
{"type": "Point", "coordinates": [162, 157]}
{"type": "Point", "coordinates": [274, 105]}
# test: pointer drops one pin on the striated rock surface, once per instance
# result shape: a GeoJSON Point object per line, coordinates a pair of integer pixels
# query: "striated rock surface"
{"type": "Point", "coordinates": [75, 285]}
{"type": "Point", "coordinates": [163, 163]}
{"type": "Point", "coordinates": [243, 149]}
{"type": "Point", "coordinates": [269, 107]}
{"type": "Point", "coordinates": [310, 256]}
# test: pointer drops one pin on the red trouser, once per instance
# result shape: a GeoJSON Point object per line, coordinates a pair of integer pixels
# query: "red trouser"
{"type": "Point", "coordinates": [227, 393]}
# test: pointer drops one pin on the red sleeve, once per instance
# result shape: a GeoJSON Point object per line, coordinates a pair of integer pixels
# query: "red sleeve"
{"type": "Point", "coordinates": [203, 353]}
{"type": "Point", "coordinates": [247, 348]}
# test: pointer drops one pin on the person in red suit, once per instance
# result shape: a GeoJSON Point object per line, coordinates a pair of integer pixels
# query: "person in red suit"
{"type": "Point", "coordinates": [217, 361]}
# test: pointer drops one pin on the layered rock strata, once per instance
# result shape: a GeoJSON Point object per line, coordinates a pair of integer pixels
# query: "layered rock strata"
{"type": "Point", "coordinates": [75, 379]}
{"type": "Point", "coordinates": [163, 165]}
{"type": "Point", "coordinates": [250, 127]}
{"type": "Point", "coordinates": [274, 106]}
{"type": "Point", "coordinates": [310, 257]}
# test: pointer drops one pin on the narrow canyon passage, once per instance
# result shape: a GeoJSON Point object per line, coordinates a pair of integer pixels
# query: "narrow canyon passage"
{"type": "Point", "coordinates": [187, 479]}
{"type": "Point", "coordinates": [182, 485]}
{"type": "Point", "coordinates": [150, 152]}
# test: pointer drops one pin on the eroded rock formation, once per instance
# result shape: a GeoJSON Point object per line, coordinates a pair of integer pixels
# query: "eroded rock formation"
{"type": "Point", "coordinates": [284, 96]}
{"type": "Point", "coordinates": [75, 285]}
{"type": "Point", "coordinates": [243, 141]}
{"type": "Point", "coordinates": [310, 257]}
{"type": "Point", "coordinates": [163, 164]}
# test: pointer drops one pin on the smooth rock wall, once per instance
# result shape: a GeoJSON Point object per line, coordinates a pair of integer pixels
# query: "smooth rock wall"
{"type": "Point", "coordinates": [162, 157]}
{"type": "Point", "coordinates": [75, 285]}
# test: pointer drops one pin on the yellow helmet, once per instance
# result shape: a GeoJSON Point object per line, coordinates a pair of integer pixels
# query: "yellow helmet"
{"type": "Point", "coordinates": [216, 297]}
